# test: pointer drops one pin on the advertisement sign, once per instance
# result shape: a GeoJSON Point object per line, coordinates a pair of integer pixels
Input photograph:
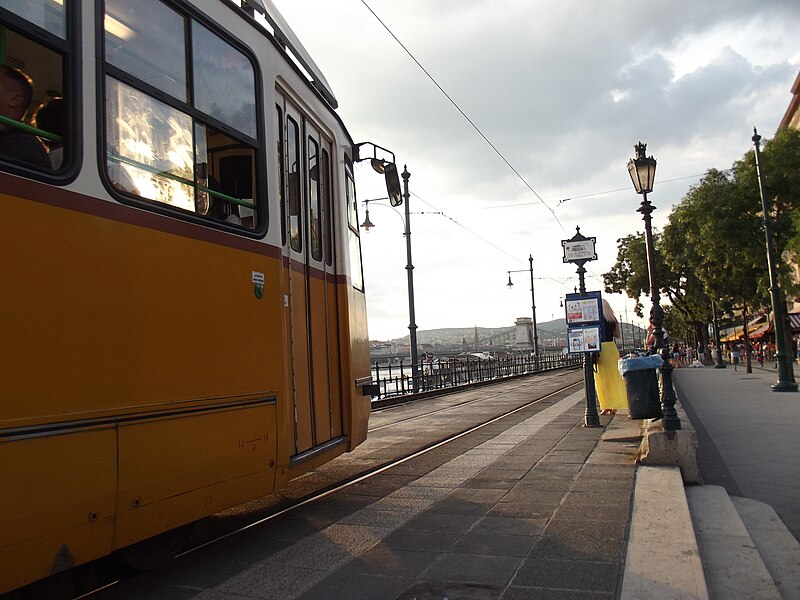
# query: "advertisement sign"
{"type": "Point", "coordinates": [583, 309]}
{"type": "Point", "coordinates": [583, 339]}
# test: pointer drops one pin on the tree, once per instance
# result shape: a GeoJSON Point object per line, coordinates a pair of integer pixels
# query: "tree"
{"type": "Point", "coordinates": [630, 275]}
{"type": "Point", "coordinates": [713, 246]}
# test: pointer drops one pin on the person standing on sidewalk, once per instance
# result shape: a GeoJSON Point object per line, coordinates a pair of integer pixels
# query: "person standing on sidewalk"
{"type": "Point", "coordinates": [609, 383]}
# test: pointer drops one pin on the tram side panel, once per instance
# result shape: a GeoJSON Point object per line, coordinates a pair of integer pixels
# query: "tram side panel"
{"type": "Point", "coordinates": [142, 365]}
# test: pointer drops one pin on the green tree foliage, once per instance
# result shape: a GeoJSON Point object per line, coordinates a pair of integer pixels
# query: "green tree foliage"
{"type": "Point", "coordinates": [713, 246]}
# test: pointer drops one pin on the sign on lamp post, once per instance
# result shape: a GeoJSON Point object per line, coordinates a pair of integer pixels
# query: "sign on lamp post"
{"type": "Point", "coordinates": [579, 250]}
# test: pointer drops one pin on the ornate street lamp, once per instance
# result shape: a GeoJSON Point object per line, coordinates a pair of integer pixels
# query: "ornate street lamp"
{"type": "Point", "coordinates": [785, 381]}
{"type": "Point", "coordinates": [412, 324]}
{"type": "Point", "coordinates": [642, 170]}
{"type": "Point", "coordinates": [533, 308]}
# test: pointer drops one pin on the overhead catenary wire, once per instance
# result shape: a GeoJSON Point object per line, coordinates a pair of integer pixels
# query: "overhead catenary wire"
{"type": "Point", "coordinates": [463, 114]}
{"type": "Point", "coordinates": [593, 194]}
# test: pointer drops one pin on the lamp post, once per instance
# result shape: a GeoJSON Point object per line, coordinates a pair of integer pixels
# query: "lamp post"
{"type": "Point", "coordinates": [785, 381]}
{"type": "Point", "coordinates": [719, 363]}
{"type": "Point", "coordinates": [533, 309]}
{"type": "Point", "coordinates": [642, 170]}
{"type": "Point", "coordinates": [412, 322]}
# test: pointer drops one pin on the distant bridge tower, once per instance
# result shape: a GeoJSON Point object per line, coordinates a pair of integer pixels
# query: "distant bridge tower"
{"type": "Point", "coordinates": [524, 330]}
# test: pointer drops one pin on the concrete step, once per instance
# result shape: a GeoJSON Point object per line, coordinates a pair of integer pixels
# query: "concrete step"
{"type": "Point", "coordinates": [733, 565]}
{"type": "Point", "coordinates": [778, 547]}
{"type": "Point", "coordinates": [663, 559]}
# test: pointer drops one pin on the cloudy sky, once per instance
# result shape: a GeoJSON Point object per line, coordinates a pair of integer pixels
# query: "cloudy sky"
{"type": "Point", "coordinates": [563, 90]}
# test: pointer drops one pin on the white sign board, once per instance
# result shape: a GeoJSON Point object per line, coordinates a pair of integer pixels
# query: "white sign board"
{"type": "Point", "coordinates": [580, 250]}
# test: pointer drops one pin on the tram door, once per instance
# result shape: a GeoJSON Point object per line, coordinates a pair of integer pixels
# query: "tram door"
{"type": "Point", "coordinates": [313, 304]}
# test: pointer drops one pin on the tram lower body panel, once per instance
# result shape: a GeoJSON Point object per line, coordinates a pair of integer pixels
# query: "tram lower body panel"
{"type": "Point", "coordinates": [146, 384]}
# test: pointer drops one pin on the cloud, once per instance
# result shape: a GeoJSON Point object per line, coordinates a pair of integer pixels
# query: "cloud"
{"type": "Point", "coordinates": [563, 90]}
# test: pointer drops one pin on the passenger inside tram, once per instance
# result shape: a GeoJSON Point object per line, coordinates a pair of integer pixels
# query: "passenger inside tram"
{"type": "Point", "coordinates": [51, 117]}
{"type": "Point", "coordinates": [17, 145]}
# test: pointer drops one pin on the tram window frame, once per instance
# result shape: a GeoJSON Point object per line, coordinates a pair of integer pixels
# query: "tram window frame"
{"type": "Point", "coordinates": [65, 50]}
{"type": "Point", "coordinates": [354, 237]}
{"type": "Point", "coordinates": [326, 201]}
{"type": "Point", "coordinates": [314, 198]}
{"type": "Point", "coordinates": [294, 185]}
{"type": "Point", "coordinates": [203, 175]}
{"type": "Point", "coordinates": [280, 175]}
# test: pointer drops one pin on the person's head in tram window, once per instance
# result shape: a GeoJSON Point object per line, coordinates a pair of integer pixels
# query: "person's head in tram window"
{"type": "Point", "coordinates": [16, 93]}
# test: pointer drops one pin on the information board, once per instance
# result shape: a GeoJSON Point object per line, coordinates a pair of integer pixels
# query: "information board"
{"type": "Point", "coordinates": [584, 339]}
{"type": "Point", "coordinates": [584, 313]}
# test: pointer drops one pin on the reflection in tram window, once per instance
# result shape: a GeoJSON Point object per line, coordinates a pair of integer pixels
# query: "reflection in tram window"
{"type": "Point", "coordinates": [146, 39]}
{"type": "Point", "coordinates": [224, 82]}
{"type": "Point", "coordinates": [149, 147]}
{"type": "Point", "coordinates": [47, 14]}
{"type": "Point", "coordinates": [293, 158]}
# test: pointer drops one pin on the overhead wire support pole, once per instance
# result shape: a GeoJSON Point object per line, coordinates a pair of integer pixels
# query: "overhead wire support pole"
{"type": "Point", "coordinates": [786, 382]}
{"type": "Point", "coordinates": [533, 308]}
{"type": "Point", "coordinates": [412, 319]}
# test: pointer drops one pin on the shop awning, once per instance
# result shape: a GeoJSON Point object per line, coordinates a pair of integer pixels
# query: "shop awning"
{"type": "Point", "coordinates": [756, 328]}
{"type": "Point", "coordinates": [761, 331]}
{"type": "Point", "coordinates": [794, 319]}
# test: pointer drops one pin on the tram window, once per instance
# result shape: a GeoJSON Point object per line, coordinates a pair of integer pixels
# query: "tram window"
{"type": "Point", "coordinates": [146, 39]}
{"type": "Point", "coordinates": [327, 205]}
{"type": "Point", "coordinates": [313, 200]}
{"type": "Point", "coordinates": [354, 242]}
{"type": "Point", "coordinates": [293, 166]}
{"type": "Point", "coordinates": [149, 147]}
{"type": "Point", "coordinates": [33, 73]}
{"type": "Point", "coordinates": [47, 14]}
{"type": "Point", "coordinates": [194, 152]}
{"type": "Point", "coordinates": [225, 178]}
{"type": "Point", "coordinates": [279, 172]}
{"type": "Point", "coordinates": [224, 82]}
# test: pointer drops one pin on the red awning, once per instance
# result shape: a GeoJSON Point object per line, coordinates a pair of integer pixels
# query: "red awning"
{"type": "Point", "coordinates": [761, 331]}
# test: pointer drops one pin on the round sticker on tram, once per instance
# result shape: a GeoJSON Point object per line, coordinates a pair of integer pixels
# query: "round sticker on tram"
{"type": "Point", "coordinates": [258, 284]}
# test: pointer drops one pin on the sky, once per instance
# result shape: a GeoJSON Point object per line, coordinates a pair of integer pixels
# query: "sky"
{"type": "Point", "coordinates": [563, 91]}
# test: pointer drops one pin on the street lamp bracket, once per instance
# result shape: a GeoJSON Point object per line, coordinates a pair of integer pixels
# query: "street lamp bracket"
{"type": "Point", "coordinates": [382, 165]}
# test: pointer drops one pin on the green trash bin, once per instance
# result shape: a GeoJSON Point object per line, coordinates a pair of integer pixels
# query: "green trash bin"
{"type": "Point", "coordinates": [641, 386]}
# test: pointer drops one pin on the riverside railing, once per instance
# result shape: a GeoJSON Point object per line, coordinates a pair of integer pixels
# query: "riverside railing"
{"type": "Point", "coordinates": [442, 373]}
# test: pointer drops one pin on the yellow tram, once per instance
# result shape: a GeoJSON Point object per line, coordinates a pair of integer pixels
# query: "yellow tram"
{"type": "Point", "coordinates": [182, 321]}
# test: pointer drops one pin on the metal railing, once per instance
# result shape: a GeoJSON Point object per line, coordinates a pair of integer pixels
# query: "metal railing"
{"type": "Point", "coordinates": [442, 373]}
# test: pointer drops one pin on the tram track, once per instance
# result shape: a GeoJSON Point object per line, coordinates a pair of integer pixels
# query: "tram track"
{"type": "Point", "coordinates": [239, 523]}
{"type": "Point", "coordinates": [382, 468]}
{"type": "Point", "coordinates": [432, 412]}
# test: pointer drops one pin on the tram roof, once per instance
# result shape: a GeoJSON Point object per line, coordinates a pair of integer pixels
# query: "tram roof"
{"type": "Point", "coordinates": [289, 41]}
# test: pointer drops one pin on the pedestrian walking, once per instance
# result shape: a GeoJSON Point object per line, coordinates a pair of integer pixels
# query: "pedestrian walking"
{"type": "Point", "coordinates": [701, 352]}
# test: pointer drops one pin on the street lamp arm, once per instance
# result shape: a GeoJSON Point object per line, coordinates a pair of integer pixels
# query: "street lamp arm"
{"type": "Point", "coordinates": [377, 202]}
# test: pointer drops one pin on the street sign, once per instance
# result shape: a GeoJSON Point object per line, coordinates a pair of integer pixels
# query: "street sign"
{"type": "Point", "coordinates": [575, 250]}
